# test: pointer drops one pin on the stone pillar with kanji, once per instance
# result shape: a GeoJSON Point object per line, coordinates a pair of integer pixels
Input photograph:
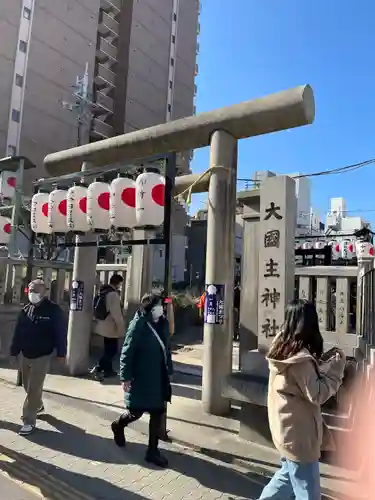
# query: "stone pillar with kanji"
{"type": "Point", "coordinates": [278, 209]}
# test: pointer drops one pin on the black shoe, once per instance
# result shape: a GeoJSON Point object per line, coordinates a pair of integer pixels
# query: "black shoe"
{"type": "Point", "coordinates": [118, 434]}
{"type": "Point", "coordinates": [156, 458]}
{"type": "Point", "coordinates": [111, 374]}
{"type": "Point", "coordinates": [97, 373]}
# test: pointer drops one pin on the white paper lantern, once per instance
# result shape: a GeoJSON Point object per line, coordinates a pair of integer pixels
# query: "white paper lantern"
{"type": "Point", "coordinates": [297, 245]}
{"type": "Point", "coordinates": [5, 230]}
{"type": "Point", "coordinates": [77, 209]}
{"type": "Point", "coordinates": [39, 213]}
{"type": "Point", "coordinates": [98, 204]}
{"type": "Point", "coordinates": [122, 203]}
{"type": "Point", "coordinates": [364, 250]}
{"type": "Point", "coordinates": [347, 248]}
{"type": "Point", "coordinates": [307, 245]}
{"type": "Point", "coordinates": [150, 189]}
{"type": "Point", "coordinates": [319, 245]}
{"type": "Point", "coordinates": [57, 211]}
{"type": "Point", "coordinates": [8, 182]}
{"type": "Point", "coordinates": [336, 252]}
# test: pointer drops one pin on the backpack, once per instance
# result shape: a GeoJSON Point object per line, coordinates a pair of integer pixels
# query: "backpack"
{"type": "Point", "coordinates": [100, 306]}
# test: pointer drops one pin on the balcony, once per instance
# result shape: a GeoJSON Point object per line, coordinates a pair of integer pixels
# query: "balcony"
{"type": "Point", "coordinates": [111, 6]}
{"type": "Point", "coordinates": [101, 130]}
{"type": "Point", "coordinates": [104, 78]}
{"type": "Point", "coordinates": [106, 51]}
{"type": "Point", "coordinates": [108, 27]}
{"type": "Point", "coordinates": [104, 104]}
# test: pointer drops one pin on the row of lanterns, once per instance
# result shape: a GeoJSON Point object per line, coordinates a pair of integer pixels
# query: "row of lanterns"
{"type": "Point", "coordinates": [123, 204]}
{"type": "Point", "coordinates": [345, 249]}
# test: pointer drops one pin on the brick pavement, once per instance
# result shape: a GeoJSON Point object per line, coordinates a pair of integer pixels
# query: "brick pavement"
{"type": "Point", "coordinates": [74, 449]}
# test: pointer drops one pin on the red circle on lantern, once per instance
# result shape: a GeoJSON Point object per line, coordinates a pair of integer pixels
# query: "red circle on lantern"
{"type": "Point", "coordinates": [45, 209]}
{"type": "Point", "coordinates": [350, 248]}
{"type": "Point", "coordinates": [371, 251]}
{"type": "Point", "coordinates": [103, 201]}
{"type": "Point", "coordinates": [83, 205]}
{"type": "Point", "coordinates": [158, 194]}
{"type": "Point", "coordinates": [337, 248]}
{"type": "Point", "coordinates": [62, 208]}
{"type": "Point", "coordinates": [7, 228]}
{"type": "Point", "coordinates": [128, 197]}
{"type": "Point", "coordinates": [12, 182]}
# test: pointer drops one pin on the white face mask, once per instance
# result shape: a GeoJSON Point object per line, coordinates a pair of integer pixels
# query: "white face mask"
{"type": "Point", "coordinates": [34, 297]}
{"type": "Point", "coordinates": [157, 312]}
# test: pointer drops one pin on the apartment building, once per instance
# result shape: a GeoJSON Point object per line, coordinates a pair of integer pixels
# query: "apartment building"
{"type": "Point", "coordinates": [141, 61]}
{"type": "Point", "coordinates": [141, 57]}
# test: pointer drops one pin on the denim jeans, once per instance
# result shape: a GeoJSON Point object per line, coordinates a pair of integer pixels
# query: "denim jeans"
{"type": "Point", "coordinates": [294, 480]}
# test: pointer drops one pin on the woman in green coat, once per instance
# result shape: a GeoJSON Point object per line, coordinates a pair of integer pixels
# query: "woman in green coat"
{"type": "Point", "coordinates": [145, 369]}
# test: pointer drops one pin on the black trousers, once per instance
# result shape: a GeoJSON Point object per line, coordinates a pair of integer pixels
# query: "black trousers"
{"type": "Point", "coordinates": [154, 425]}
{"type": "Point", "coordinates": [109, 353]}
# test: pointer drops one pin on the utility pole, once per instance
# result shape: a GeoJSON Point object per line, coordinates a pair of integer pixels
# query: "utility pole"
{"type": "Point", "coordinates": [82, 106]}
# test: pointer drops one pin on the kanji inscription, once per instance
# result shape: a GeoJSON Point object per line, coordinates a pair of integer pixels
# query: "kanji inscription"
{"type": "Point", "coordinates": [272, 239]}
{"type": "Point", "coordinates": [273, 211]}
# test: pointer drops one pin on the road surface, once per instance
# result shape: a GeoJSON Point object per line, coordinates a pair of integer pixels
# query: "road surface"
{"type": "Point", "coordinates": [11, 490]}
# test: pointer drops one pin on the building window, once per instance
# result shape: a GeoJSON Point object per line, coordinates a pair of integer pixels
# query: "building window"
{"type": "Point", "coordinates": [174, 17]}
{"type": "Point", "coordinates": [161, 253]}
{"type": "Point", "coordinates": [23, 46]}
{"type": "Point", "coordinates": [172, 61]}
{"type": "Point", "coordinates": [170, 84]}
{"type": "Point", "coordinates": [27, 13]}
{"type": "Point", "coordinates": [19, 80]}
{"type": "Point", "coordinates": [12, 150]}
{"type": "Point", "coordinates": [15, 115]}
{"type": "Point", "coordinates": [173, 38]}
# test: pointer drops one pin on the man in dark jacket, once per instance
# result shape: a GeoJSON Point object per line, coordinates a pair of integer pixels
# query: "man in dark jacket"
{"type": "Point", "coordinates": [145, 369]}
{"type": "Point", "coordinates": [40, 330]}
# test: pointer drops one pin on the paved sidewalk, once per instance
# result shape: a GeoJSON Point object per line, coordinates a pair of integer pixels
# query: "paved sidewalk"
{"type": "Point", "coordinates": [12, 490]}
{"type": "Point", "coordinates": [72, 456]}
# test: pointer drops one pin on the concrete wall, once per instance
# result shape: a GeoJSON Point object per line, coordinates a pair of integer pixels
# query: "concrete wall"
{"type": "Point", "coordinates": [10, 11]}
{"type": "Point", "coordinates": [178, 251]}
{"type": "Point", "coordinates": [63, 39]}
{"type": "Point", "coordinates": [184, 84]}
{"type": "Point", "coordinates": [196, 252]}
{"type": "Point", "coordinates": [148, 64]}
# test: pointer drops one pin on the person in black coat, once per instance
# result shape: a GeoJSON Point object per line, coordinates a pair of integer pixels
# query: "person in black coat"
{"type": "Point", "coordinates": [145, 370]}
{"type": "Point", "coordinates": [41, 329]}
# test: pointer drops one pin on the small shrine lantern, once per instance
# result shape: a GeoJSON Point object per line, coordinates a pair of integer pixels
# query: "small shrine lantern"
{"type": "Point", "coordinates": [336, 250]}
{"type": "Point", "coordinates": [307, 245]}
{"type": "Point", "coordinates": [8, 181]}
{"type": "Point", "coordinates": [348, 251]}
{"type": "Point", "coordinates": [39, 213]}
{"type": "Point", "coordinates": [364, 250]}
{"type": "Point", "coordinates": [5, 230]}
{"type": "Point", "coordinates": [77, 209]}
{"type": "Point", "coordinates": [98, 204]}
{"type": "Point", "coordinates": [150, 195]}
{"type": "Point", "coordinates": [122, 203]}
{"type": "Point", "coordinates": [57, 211]}
{"type": "Point", "coordinates": [319, 245]}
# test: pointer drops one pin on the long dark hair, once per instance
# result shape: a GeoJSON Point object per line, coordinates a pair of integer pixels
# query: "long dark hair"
{"type": "Point", "coordinates": [300, 331]}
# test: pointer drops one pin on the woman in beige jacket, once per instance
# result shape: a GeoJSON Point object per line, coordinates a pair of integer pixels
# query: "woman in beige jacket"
{"type": "Point", "coordinates": [299, 384]}
{"type": "Point", "coordinates": [109, 324]}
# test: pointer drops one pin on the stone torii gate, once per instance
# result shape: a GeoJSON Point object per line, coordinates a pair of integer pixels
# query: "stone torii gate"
{"type": "Point", "coordinates": [220, 129]}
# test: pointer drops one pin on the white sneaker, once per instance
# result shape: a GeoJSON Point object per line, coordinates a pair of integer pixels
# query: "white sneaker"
{"type": "Point", "coordinates": [26, 430]}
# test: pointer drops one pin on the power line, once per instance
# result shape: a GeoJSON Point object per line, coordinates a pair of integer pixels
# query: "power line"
{"type": "Point", "coordinates": [332, 171]}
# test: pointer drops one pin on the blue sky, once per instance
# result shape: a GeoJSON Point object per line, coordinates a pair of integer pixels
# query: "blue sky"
{"type": "Point", "coordinates": [250, 48]}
